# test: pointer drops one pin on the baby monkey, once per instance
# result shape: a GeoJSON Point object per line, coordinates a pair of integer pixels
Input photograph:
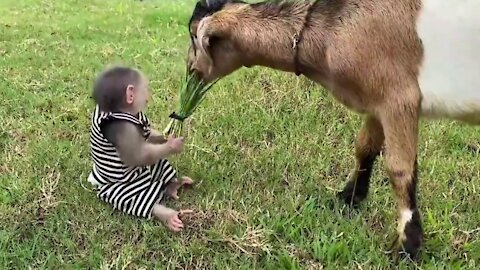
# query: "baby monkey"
{"type": "Point", "coordinates": [130, 168]}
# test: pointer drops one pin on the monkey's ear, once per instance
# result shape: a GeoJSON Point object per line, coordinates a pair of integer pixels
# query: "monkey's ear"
{"type": "Point", "coordinates": [129, 94]}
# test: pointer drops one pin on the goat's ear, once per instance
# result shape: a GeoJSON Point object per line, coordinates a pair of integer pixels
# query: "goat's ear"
{"type": "Point", "coordinates": [205, 31]}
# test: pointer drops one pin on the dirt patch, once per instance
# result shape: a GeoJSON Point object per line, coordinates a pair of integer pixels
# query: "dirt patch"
{"type": "Point", "coordinates": [304, 257]}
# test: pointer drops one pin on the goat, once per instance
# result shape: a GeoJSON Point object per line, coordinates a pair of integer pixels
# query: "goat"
{"type": "Point", "coordinates": [392, 61]}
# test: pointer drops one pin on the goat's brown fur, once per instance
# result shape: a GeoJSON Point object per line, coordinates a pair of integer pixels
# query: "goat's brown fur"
{"type": "Point", "coordinates": [365, 52]}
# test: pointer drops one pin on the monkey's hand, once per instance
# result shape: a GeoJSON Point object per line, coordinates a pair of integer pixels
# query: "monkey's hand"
{"type": "Point", "coordinates": [175, 144]}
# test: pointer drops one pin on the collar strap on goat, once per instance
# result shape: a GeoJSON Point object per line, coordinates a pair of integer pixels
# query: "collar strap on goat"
{"type": "Point", "coordinates": [297, 37]}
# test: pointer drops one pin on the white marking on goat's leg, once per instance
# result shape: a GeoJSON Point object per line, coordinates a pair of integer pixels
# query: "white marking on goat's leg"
{"type": "Point", "coordinates": [405, 217]}
{"type": "Point", "coordinates": [450, 73]}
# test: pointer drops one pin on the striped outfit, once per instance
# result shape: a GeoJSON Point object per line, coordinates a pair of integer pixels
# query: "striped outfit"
{"type": "Point", "coordinates": [133, 190]}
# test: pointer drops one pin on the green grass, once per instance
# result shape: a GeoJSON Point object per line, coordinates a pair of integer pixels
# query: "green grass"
{"type": "Point", "coordinates": [268, 150]}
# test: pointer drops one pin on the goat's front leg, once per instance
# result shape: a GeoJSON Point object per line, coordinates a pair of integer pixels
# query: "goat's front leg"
{"type": "Point", "coordinates": [400, 126]}
{"type": "Point", "coordinates": [367, 147]}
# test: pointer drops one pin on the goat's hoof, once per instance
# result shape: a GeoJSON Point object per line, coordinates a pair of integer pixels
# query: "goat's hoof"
{"type": "Point", "coordinates": [352, 195]}
{"type": "Point", "coordinates": [404, 251]}
{"type": "Point", "coordinates": [409, 247]}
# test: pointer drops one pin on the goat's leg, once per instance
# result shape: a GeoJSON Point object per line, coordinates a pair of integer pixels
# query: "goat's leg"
{"type": "Point", "coordinates": [400, 126]}
{"type": "Point", "coordinates": [367, 147]}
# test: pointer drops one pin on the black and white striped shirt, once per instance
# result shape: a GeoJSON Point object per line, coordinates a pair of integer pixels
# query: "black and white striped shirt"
{"type": "Point", "coordinates": [133, 190]}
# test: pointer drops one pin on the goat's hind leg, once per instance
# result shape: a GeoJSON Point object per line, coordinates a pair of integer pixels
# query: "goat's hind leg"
{"type": "Point", "coordinates": [367, 147]}
{"type": "Point", "coordinates": [400, 126]}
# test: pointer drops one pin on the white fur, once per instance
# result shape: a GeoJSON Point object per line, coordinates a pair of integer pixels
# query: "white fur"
{"type": "Point", "coordinates": [405, 217]}
{"type": "Point", "coordinates": [450, 75]}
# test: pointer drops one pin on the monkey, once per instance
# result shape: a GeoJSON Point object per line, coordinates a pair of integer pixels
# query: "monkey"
{"type": "Point", "coordinates": [130, 167]}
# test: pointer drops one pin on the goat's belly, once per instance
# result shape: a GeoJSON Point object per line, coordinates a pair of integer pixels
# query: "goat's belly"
{"type": "Point", "coordinates": [450, 74]}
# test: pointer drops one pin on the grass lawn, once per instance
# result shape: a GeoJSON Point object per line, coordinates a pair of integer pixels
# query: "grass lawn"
{"type": "Point", "coordinates": [268, 150]}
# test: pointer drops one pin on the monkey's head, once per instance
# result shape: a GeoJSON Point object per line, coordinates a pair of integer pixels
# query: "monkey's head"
{"type": "Point", "coordinates": [121, 89]}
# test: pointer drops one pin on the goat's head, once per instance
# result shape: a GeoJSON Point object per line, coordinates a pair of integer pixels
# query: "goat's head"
{"type": "Point", "coordinates": [212, 53]}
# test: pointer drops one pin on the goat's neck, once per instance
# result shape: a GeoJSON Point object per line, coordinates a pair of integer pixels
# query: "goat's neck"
{"type": "Point", "coordinates": [268, 40]}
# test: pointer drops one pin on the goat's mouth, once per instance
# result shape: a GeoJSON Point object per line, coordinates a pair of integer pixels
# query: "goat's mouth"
{"type": "Point", "coordinates": [200, 76]}
{"type": "Point", "coordinates": [204, 76]}
{"type": "Point", "coordinates": [197, 75]}
{"type": "Point", "coordinates": [193, 71]}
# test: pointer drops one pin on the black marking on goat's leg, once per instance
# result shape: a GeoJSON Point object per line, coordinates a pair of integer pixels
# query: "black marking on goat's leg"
{"type": "Point", "coordinates": [367, 148]}
{"type": "Point", "coordinates": [356, 189]}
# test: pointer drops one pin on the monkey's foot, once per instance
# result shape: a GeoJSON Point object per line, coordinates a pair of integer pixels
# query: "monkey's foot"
{"type": "Point", "coordinates": [174, 186]}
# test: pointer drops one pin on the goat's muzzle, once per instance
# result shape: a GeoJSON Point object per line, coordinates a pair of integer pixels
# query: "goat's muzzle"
{"type": "Point", "coordinates": [195, 72]}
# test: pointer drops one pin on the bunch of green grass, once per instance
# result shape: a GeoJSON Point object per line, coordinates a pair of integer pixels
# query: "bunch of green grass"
{"type": "Point", "coordinates": [192, 92]}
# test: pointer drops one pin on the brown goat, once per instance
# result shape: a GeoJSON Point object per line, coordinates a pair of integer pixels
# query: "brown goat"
{"type": "Point", "coordinates": [380, 58]}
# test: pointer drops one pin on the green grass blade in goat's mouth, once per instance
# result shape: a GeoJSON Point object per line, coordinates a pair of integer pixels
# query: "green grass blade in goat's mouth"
{"type": "Point", "coordinates": [191, 94]}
